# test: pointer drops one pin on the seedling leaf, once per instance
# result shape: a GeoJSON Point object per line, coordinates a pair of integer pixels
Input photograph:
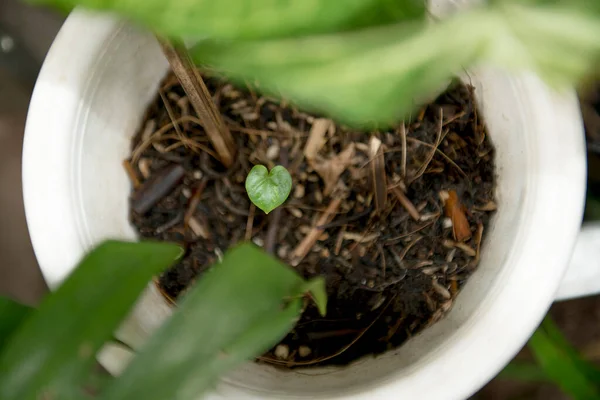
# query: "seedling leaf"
{"type": "Point", "coordinates": [12, 314]}
{"type": "Point", "coordinates": [268, 190]}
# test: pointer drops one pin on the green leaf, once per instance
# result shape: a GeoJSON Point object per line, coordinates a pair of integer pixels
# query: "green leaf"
{"type": "Point", "coordinates": [378, 75]}
{"type": "Point", "coordinates": [362, 78]}
{"type": "Point", "coordinates": [51, 353]}
{"type": "Point", "coordinates": [240, 308]}
{"type": "Point", "coordinates": [248, 19]}
{"type": "Point", "coordinates": [12, 314]}
{"type": "Point", "coordinates": [268, 190]}
{"type": "Point", "coordinates": [523, 372]}
{"type": "Point", "coordinates": [587, 6]}
{"type": "Point", "coordinates": [316, 288]}
{"type": "Point", "coordinates": [561, 363]}
{"type": "Point", "coordinates": [558, 43]}
{"type": "Point", "coordinates": [552, 331]}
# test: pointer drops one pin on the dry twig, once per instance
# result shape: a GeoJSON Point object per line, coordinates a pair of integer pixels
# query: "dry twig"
{"type": "Point", "coordinates": [198, 95]}
{"type": "Point", "coordinates": [378, 176]}
{"type": "Point", "coordinates": [438, 140]}
{"type": "Point", "coordinates": [310, 239]}
{"type": "Point", "coordinates": [406, 203]}
{"type": "Point", "coordinates": [402, 132]}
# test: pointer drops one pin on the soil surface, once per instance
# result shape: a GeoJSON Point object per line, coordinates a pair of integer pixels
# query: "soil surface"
{"type": "Point", "coordinates": [397, 215]}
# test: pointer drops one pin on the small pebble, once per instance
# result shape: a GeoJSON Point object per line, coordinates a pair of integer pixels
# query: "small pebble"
{"type": "Point", "coordinates": [429, 216]}
{"type": "Point", "coordinates": [186, 192]}
{"type": "Point", "coordinates": [250, 116]}
{"type": "Point", "coordinates": [304, 229]}
{"type": "Point", "coordinates": [324, 236]}
{"type": "Point", "coordinates": [283, 251]}
{"type": "Point", "coordinates": [144, 166]}
{"type": "Point", "coordinates": [258, 241]}
{"type": "Point", "coordinates": [362, 251]}
{"type": "Point", "coordinates": [295, 212]}
{"type": "Point", "coordinates": [318, 196]}
{"type": "Point", "coordinates": [198, 174]}
{"type": "Point", "coordinates": [447, 223]}
{"type": "Point", "coordinates": [304, 351]}
{"type": "Point", "coordinates": [299, 191]}
{"type": "Point", "coordinates": [389, 139]}
{"type": "Point", "coordinates": [430, 270]}
{"type": "Point", "coordinates": [273, 152]}
{"type": "Point", "coordinates": [282, 352]}
{"type": "Point", "coordinates": [239, 104]}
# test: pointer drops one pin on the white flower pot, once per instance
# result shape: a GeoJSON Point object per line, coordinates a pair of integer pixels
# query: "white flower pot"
{"type": "Point", "coordinates": [88, 102]}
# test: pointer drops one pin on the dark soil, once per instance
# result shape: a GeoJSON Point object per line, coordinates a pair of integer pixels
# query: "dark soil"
{"type": "Point", "coordinates": [394, 252]}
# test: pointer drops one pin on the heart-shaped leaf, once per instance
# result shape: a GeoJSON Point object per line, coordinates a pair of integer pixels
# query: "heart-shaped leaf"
{"type": "Point", "coordinates": [268, 190]}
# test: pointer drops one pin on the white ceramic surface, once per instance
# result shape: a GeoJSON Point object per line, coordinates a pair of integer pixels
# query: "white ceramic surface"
{"type": "Point", "coordinates": [95, 84]}
{"type": "Point", "coordinates": [583, 275]}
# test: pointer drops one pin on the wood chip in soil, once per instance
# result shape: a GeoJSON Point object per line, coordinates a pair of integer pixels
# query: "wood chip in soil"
{"type": "Point", "coordinates": [368, 210]}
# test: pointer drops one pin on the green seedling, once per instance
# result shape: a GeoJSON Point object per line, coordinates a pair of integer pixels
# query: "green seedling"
{"type": "Point", "coordinates": [268, 190]}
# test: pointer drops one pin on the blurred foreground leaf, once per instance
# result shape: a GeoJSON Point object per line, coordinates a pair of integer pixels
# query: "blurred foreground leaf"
{"type": "Point", "coordinates": [561, 363]}
{"type": "Point", "coordinates": [239, 309]}
{"type": "Point", "coordinates": [50, 354]}
{"type": "Point", "coordinates": [370, 62]}
{"type": "Point", "coordinates": [12, 314]}
{"type": "Point", "coordinates": [362, 78]}
{"type": "Point", "coordinates": [587, 6]}
{"type": "Point", "coordinates": [523, 372]}
{"type": "Point", "coordinates": [378, 75]}
{"type": "Point", "coordinates": [251, 19]}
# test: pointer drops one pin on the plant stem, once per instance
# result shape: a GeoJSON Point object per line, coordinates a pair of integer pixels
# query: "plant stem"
{"type": "Point", "coordinates": [201, 100]}
{"type": "Point", "coordinates": [275, 217]}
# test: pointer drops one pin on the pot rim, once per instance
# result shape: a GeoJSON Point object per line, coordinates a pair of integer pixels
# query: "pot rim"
{"type": "Point", "coordinates": [555, 204]}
